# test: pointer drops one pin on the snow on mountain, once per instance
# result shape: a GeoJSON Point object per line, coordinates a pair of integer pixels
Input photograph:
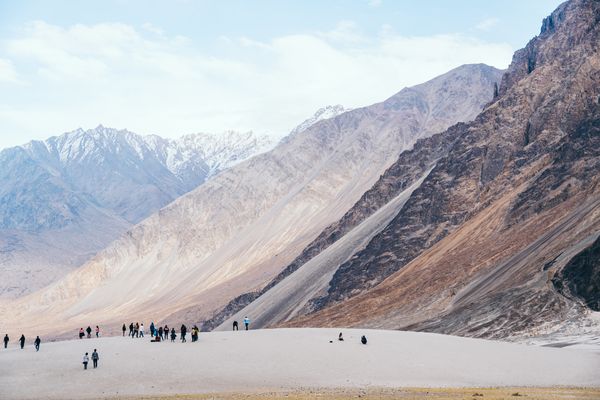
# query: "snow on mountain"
{"type": "Point", "coordinates": [65, 198]}
{"type": "Point", "coordinates": [321, 114]}
{"type": "Point", "coordinates": [217, 151]}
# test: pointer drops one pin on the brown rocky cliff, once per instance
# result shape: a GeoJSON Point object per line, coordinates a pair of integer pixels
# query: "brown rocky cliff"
{"type": "Point", "coordinates": [533, 150]}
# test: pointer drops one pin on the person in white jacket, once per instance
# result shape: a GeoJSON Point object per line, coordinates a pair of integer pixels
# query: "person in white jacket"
{"type": "Point", "coordinates": [142, 330]}
{"type": "Point", "coordinates": [86, 360]}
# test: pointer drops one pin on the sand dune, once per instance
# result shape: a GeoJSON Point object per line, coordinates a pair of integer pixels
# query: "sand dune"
{"type": "Point", "coordinates": [286, 359]}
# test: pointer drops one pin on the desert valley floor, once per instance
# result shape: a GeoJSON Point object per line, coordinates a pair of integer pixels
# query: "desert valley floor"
{"type": "Point", "coordinates": [292, 360]}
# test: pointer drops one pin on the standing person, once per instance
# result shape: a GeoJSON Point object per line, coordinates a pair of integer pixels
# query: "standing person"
{"type": "Point", "coordinates": [81, 334]}
{"type": "Point", "coordinates": [97, 331]}
{"type": "Point", "coordinates": [86, 359]}
{"type": "Point", "coordinates": [37, 343]}
{"type": "Point", "coordinates": [166, 331]}
{"type": "Point", "coordinates": [235, 326]}
{"type": "Point", "coordinates": [136, 329]}
{"type": "Point", "coordinates": [152, 328]}
{"type": "Point", "coordinates": [6, 339]}
{"type": "Point", "coordinates": [246, 322]}
{"type": "Point", "coordinates": [124, 330]}
{"type": "Point", "coordinates": [183, 332]}
{"type": "Point", "coordinates": [131, 329]}
{"type": "Point", "coordinates": [22, 341]}
{"type": "Point", "coordinates": [173, 335]}
{"type": "Point", "coordinates": [89, 332]}
{"type": "Point", "coordinates": [95, 358]}
{"type": "Point", "coordinates": [142, 330]}
{"type": "Point", "coordinates": [160, 332]}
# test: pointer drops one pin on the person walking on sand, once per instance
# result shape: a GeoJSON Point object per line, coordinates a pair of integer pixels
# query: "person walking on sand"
{"type": "Point", "coordinates": [86, 359]}
{"type": "Point", "coordinates": [152, 329]}
{"type": "Point", "coordinates": [37, 343]}
{"type": "Point", "coordinates": [246, 322]}
{"type": "Point", "coordinates": [131, 329]}
{"type": "Point", "coordinates": [142, 330]}
{"type": "Point", "coordinates": [95, 358]}
{"type": "Point", "coordinates": [6, 339]}
{"type": "Point", "coordinates": [97, 331]}
{"type": "Point", "coordinates": [22, 341]}
{"type": "Point", "coordinates": [160, 332]}
{"type": "Point", "coordinates": [173, 335]}
{"type": "Point", "coordinates": [235, 326]}
{"type": "Point", "coordinates": [81, 333]}
{"type": "Point", "coordinates": [124, 330]}
{"type": "Point", "coordinates": [166, 331]}
{"type": "Point", "coordinates": [89, 332]}
{"type": "Point", "coordinates": [183, 333]}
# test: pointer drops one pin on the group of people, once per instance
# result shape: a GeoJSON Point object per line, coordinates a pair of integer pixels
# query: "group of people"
{"type": "Point", "coordinates": [89, 332]}
{"type": "Point", "coordinates": [161, 333]}
{"type": "Point", "coordinates": [95, 358]}
{"type": "Point", "coordinates": [36, 342]}
{"type": "Point", "coordinates": [135, 330]}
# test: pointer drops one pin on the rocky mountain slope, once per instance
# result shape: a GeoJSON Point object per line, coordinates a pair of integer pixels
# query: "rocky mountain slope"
{"type": "Point", "coordinates": [241, 228]}
{"type": "Point", "coordinates": [65, 198]}
{"type": "Point", "coordinates": [498, 224]}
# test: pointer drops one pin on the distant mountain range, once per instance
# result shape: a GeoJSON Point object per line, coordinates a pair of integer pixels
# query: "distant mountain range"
{"type": "Point", "coordinates": [65, 198]}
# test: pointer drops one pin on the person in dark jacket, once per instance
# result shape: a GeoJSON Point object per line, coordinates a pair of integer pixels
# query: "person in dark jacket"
{"type": "Point", "coordinates": [22, 341]}
{"type": "Point", "coordinates": [160, 332]}
{"type": "Point", "coordinates": [183, 333]}
{"type": "Point", "coordinates": [363, 339]}
{"type": "Point", "coordinates": [6, 339]}
{"type": "Point", "coordinates": [131, 329]}
{"type": "Point", "coordinates": [124, 330]}
{"type": "Point", "coordinates": [173, 335]}
{"type": "Point", "coordinates": [37, 343]}
{"type": "Point", "coordinates": [235, 326]}
{"type": "Point", "coordinates": [95, 358]}
{"type": "Point", "coordinates": [152, 329]}
{"type": "Point", "coordinates": [89, 332]}
{"type": "Point", "coordinates": [166, 332]}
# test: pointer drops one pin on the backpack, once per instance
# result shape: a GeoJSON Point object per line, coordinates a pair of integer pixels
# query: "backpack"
{"type": "Point", "coordinates": [363, 339]}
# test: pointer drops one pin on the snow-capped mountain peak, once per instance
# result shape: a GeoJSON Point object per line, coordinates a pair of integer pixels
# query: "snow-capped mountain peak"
{"type": "Point", "coordinates": [321, 114]}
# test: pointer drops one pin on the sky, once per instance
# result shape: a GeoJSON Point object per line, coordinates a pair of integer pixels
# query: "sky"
{"type": "Point", "coordinates": [183, 66]}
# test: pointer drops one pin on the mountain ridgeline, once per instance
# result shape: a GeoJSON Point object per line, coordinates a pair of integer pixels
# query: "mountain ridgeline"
{"type": "Point", "coordinates": [504, 204]}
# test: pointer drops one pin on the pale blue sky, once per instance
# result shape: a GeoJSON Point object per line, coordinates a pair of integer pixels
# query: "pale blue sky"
{"type": "Point", "coordinates": [176, 67]}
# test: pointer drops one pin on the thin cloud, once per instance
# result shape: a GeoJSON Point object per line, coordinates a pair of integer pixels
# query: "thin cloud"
{"type": "Point", "coordinates": [130, 78]}
{"type": "Point", "coordinates": [487, 24]}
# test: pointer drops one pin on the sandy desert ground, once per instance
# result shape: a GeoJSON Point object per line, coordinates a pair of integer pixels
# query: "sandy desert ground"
{"type": "Point", "coordinates": [289, 362]}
